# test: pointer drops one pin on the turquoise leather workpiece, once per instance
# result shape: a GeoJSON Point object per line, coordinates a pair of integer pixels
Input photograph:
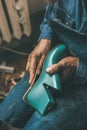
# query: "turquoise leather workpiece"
{"type": "Point", "coordinates": [40, 96]}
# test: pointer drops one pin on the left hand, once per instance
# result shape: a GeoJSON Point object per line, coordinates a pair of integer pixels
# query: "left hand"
{"type": "Point", "coordinates": [37, 57]}
{"type": "Point", "coordinates": [67, 67]}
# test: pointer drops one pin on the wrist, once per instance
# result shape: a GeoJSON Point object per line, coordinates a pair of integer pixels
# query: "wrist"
{"type": "Point", "coordinates": [47, 41]}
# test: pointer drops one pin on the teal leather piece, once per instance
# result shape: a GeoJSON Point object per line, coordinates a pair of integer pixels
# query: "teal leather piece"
{"type": "Point", "coordinates": [40, 96]}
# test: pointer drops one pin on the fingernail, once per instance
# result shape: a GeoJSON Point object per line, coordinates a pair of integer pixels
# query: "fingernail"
{"type": "Point", "coordinates": [48, 69]}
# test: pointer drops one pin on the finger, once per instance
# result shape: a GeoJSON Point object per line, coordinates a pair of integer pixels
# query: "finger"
{"type": "Point", "coordinates": [28, 64]}
{"type": "Point", "coordinates": [66, 74]}
{"type": "Point", "coordinates": [55, 68]}
{"type": "Point", "coordinates": [32, 68]}
{"type": "Point", "coordinates": [40, 64]}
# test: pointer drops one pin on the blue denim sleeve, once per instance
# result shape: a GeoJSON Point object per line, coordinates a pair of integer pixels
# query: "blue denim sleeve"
{"type": "Point", "coordinates": [46, 30]}
{"type": "Point", "coordinates": [80, 77]}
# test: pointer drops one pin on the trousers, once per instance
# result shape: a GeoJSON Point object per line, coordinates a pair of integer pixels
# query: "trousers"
{"type": "Point", "coordinates": [69, 113]}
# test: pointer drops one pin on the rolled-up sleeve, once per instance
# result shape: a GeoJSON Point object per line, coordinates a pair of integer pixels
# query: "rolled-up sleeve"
{"type": "Point", "coordinates": [46, 30]}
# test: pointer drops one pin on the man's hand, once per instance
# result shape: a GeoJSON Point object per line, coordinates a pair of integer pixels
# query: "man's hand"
{"type": "Point", "coordinates": [66, 68]}
{"type": "Point", "coordinates": [37, 57]}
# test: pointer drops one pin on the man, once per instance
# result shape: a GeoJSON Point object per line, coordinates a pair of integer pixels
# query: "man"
{"type": "Point", "coordinates": [65, 20]}
{"type": "Point", "coordinates": [74, 16]}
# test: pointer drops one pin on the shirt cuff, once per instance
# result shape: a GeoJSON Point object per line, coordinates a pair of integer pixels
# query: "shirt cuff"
{"type": "Point", "coordinates": [80, 77]}
{"type": "Point", "coordinates": [46, 33]}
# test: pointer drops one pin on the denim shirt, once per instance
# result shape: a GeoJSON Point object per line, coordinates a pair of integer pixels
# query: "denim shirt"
{"type": "Point", "coordinates": [67, 19]}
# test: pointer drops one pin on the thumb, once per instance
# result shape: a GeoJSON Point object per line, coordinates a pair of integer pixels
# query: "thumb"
{"type": "Point", "coordinates": [54, 68]}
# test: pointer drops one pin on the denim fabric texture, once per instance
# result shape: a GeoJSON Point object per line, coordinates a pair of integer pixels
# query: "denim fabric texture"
{"type": "Point", "coordinates": [70, 112]}
{"type": "Point", "coordinates": [13, 109]}
{"type": "Point", "coordinates": [67, 20]}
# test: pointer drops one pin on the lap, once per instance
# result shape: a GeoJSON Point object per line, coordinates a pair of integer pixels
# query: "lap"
{"type": "Point", "coordinates": [13, 109]}
{"type": "Point", "coordinates": [70, 112]}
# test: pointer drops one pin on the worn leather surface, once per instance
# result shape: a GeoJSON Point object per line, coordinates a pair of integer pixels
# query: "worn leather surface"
{"type": "Point", "coordinates": [40, 95]}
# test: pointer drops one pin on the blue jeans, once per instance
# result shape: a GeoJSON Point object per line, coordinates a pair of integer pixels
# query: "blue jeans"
{"type": "Point", "coordinates": [70, 112]}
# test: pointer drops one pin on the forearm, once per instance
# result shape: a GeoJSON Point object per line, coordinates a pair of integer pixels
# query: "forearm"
{"type": "Point", "coordinates": [45, 28]}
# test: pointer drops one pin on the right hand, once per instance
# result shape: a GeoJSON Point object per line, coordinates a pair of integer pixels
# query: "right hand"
{"type": "Point", "coordinates": [37, 57]}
